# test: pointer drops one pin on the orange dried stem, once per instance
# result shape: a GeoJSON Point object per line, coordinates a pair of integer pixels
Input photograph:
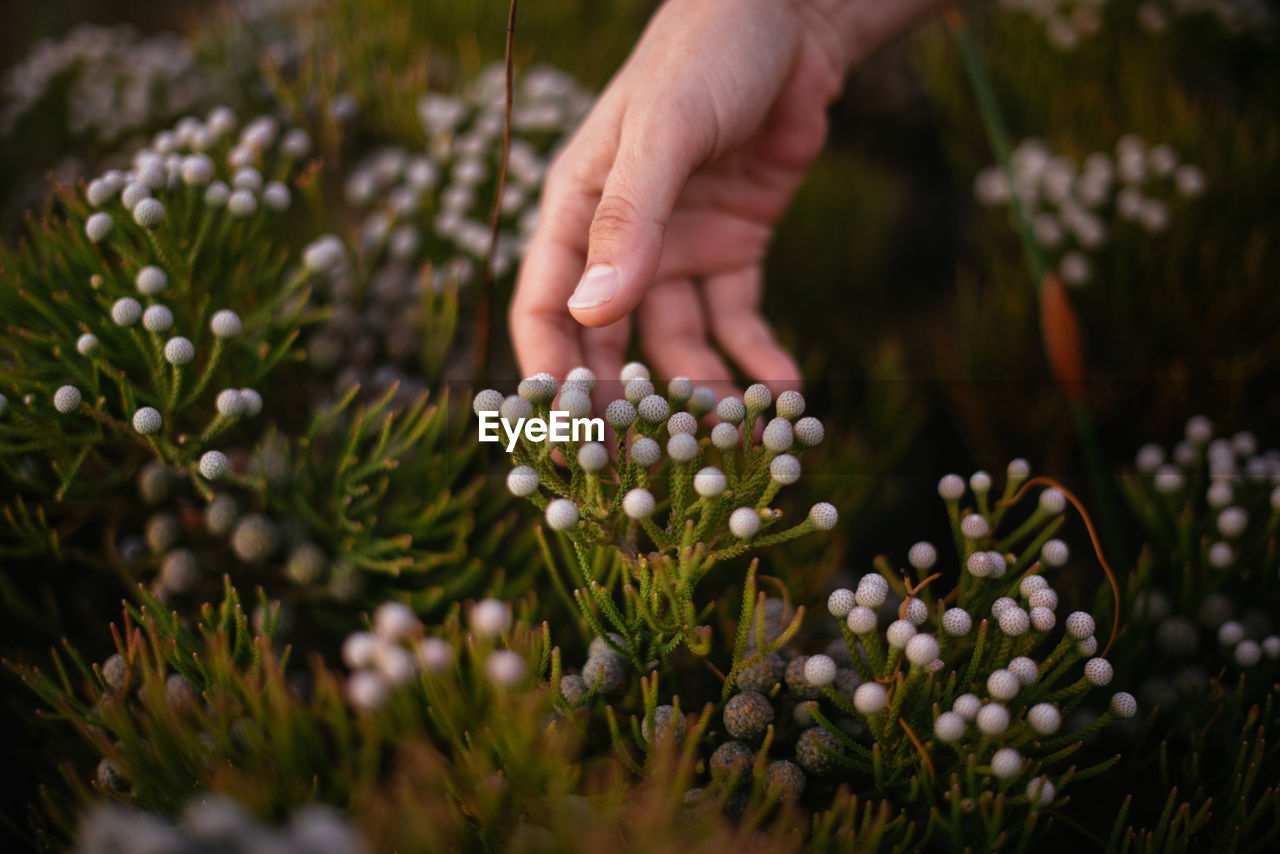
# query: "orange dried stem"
{"type": "Point", "coordinates": [924, 755]}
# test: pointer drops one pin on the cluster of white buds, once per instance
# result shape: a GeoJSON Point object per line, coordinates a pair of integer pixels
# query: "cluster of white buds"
{"type": "Point", "coordinates": [1072, 210]}
{"type": "Point", "coordinates": [117, 80]}
{"type": "Point", "coordinates": [1011, 668]}
{"type": "Point", "coordinates": [1067, 23]}
{"type": "Point", "coordinates": [436, 204]}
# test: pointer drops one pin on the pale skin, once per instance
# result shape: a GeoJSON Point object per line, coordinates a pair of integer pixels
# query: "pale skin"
{"type": "Point", "coordinates": [663, 204]}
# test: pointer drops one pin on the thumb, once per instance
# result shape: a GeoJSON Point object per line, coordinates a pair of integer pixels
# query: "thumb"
{"type": "Point", "coordinates": [654, 160]}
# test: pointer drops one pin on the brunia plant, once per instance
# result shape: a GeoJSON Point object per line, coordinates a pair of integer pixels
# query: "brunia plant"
{"type": "Point", "coordinates": [666, 505]}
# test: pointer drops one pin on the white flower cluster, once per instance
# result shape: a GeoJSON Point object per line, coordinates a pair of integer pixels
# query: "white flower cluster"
{"type": "Point", "coordinates": [117, 80]}
{"type": "Point", "coordinates": [1073, 209]}
{"type": "Point", "coordinates": [397, 651]}
{"type": "Point", "coordinates": [435, 205]}
{"type": "Point", "coordinates": [1069, 22]}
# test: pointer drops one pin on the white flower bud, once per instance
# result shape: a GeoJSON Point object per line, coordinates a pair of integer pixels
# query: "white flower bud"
{"type": "Point", "coordinates": [1088, 646]}
{"type": "Point", "coordinates": [505, 668]}
{"type": "Point", "coordinates": [808, 432]}
{"type": "Point", "coordinates": [702, 401]}
{"type": "Point", "coordinates": [1043, 619]}
{"type": "Point", "coordinates": [1044, 598]}
{"type": "Point", "coordinates": [861, 620]}
{"type": "Point", "coordinates": [358, 649]}
{"type": "Point", "coordinates": [653, 408]}
{"type": "Point", "coordinates": [1001, 605]}
{"type": "Point", "coordinates": [1018, 470]}
{"type": "Point", "coordinates": [1044, 718]}
{"type": "Point", "coordinates": [148, 213]}
{"type": "Point", "coordinates": [620, 414]}
{"type": "Point", "coordinates": [637, 390]}
{"type": "Point", "coordinates": [324, 254]}
{"type": "Point", "coordinates": [840, 602]}
{"type": "Point", "coordinates": [1199, 429]}
{"type": "Point", "coordinates": [709, 482]}
{"type": "Point", "coordinates": [1003, 685]}
{"type": "Point", "coordinates": [1098, 671]}
{"type": "Point", "coordinates": [784, 469]}
{"type": "Point", "coordinates": [638, 504]}
{"type": "Point", "coordinates": [790, 405]}
{"type": "Point", "coordinates": [1230, 633]}
{"type": "Point", "coordinates": [870, 698]}
{"type": "Point", "coordinates": [922, 556]}
{"type": "Point", "coordinates": [1232, 522]}
{"type": "Point", "coordinates": [230, 403]}
{"type": "Point", "coordinates": [872, 590]}
{"type": "Point", "coordinates": [87, 344]}
{"type": "Point", "coordinates": [979, 564]}
{"type": "Point", "coordinates": [561, 514]}
{"type": "Point", "coordinates": [682, 448]}
{"type": "Point", "coordinates": [956, 622]}
{"type": "Point", "coordinates": [974, 526]}
{"type": "Point", "coordinates": [899, 633]}
{"type": "Point", "coordinates": [1006, 763]}
{"type": "Point", "coordinates": [252, 402]}
{"type": "Point", "coordinates": [922, 650]}
{"type": "Point", "coordinates": [225, 323]}
{"type": "Point", "coordinates": [147, 420]}
{"type": "Point", "coordinates": [1080, 625]}
{"type": "Point", "coordinates": [157, 318]}
{"type": "Point", "coordinates": [951, 487]}
{"type": "Point", "coordinates": [1052, 501]}
{"type": "Point", "coordinates": [1055, 553]}
{"type": "Point", "coordinates": [179, 351]}
{"type": "Point", "coordinates": [682, 422]}
{"type": "Point", "coordinates": [126, 311]}
{"type": "Point", "coordinates": [819, 670]}
{"type": "Point", "coordinates": [949, 727]}
{"type": "Point", "coordinates": [593, 457]}
{"type": "Point", "coordinates": [1014, 622]}
{"type": "Point", "coordinates": [823, 516]}
{"type": "Point", "coordinates": [980, 483]}
{"type": "Point", "coordinates": [993, 719]}
{"type": "Point", "coordinates": [967, 706]}
{"type": "Point", "coordinates": [744, 523]}
{"type": "Point", "coordinates": [633, 371]}
{"type": "Point", "coordinates": [1031, 583]}
{"type": "Point", "coordinates": [66, 399]}
{"type": "Point", "coordinates": [366, 690]}
{"type": "Point", "coordinates": [1040, 792]}
{"type": "Point", "coordinates": [725, 437]}
{"type": "Point", "coordinates": [489, 618]}
{"type": "Point", "coordinates": [276, 196]}
{"type": "Point", "coordinates": [1149, 458]}
{"type": "Point", "coordinates": [133, 194]}
{"type": "Point", "coordinates": [778, 435]}
{"type": "Point", "coordinates": [214, 465]}
{"type": "Point", "coordinates": [394, 620]}
{"type": "Point", "coordinates": [217, 194]}
{"type": "Point", "coordinates": [1123, 705]}
{"type": "Point", "coordinates": [731, 410]}
{"type": "Point", "coordinates": [522, 481]}
{"type": "Point", "coordinates": [435, 655]}
{"type": "Point", "coordinates": [1024, 668]}
{"type": "Point", "coordinates": [581, 378]}
{"type": "Point", "coordinates": [645, 452]}
{"type": "Point", "coordinates": [917, 612]}
{"type": "Point", "coordinates": [1168, 479]}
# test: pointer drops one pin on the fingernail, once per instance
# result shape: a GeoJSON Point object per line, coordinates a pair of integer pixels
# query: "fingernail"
{"type": "Point", "coordinates": [596, 288]}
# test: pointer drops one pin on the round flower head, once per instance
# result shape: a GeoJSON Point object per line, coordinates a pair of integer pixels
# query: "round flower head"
{"type": "Point", "coordinates": [1080, 625]}
{"type": "Point", "coordinates": [840, 603]}
{"type": "Point", "coordinates": [324, 254]}
{"type": "Point", "coordinates": [1168, 479]}
{"type": "Point", "coordinates": [997, 563]}
{"type": "Point", "coordinates": [790, 405]}
{"type": "Point", "coordinates": [604, 673]}
{"type": "Point", "coordinates": [949, 727]}
{"type": "Point", "coordinates": [581, 378]}
{"type": "Point", "coordinates": [230, 403]}
{"type": "Point", "coordinates": [151, 281]}
{"type": "Point", "coordinates": [784, 469]}
{"type": "Point", "coordinates": [1098, 671]}
{"type": "Point", "coordinates": [538, 389]}
{"type": "Point", "coordinates": [1088, 646]}
{"type": "Point", "coordinates": [514, 408]}
{"type": "Point", "coordinates": [87, 344]}
{"type": "Point", "coordinates": [967, 706]}
{"type": "Point", "coordinates": [561, 514]}
{"type": "Point", "coordinates": [1248, 653]}
{"type": "Point", "coordinates": [1218, 496]}
{"type": "Point", "coordinates": [870, 698]}
{"type": "Point", "coordinates": [100, 191]}
{"type": "Point", "coordinates": [1018, 470]}
{"type": "Point", "coordinates": [637, 390]}
{"type": "Point", "coordinates": [1052, 501]}
{"type": "Point", "coordinates": [488, 400]}
{"type": "Point", "coordinates": [638, 504]}
{"type": "Point", "coordinates": [957, 622]}
{"type": "Point", "coordinates": [197, 170]}
{"type": "Point", "coordinates": [744, 523]}
{"type": "Point", "coordinates": [861, 620]}
{"type": "Point", "coordinates": [620, 414]}
{"type": "Point", "coordinates": [682, 422]}
{"type": "Point", "coordinates": [1149, 458]}
{"type": "Point", "coordinates": [922, 650]}
{"type": "Point", "coordinates": [1046, 597]}
{"type": "Point", "coordinates": [702, 401]}
{"type": "Point", "coordinates": [241, 203]}
{"type": "Point", "coordinates": [993, 718]}
{"type": "Point", "coordinates": [1230, 633]}
{"type": "Point", "coordinates": [214, 465]}
{"type": "Point", "coordinates": [147, 420]}
{"type": "Point", "coordinates": [216, 194]}
{"type": "Point", "coordinates": [731, 410]}
{"type": "Point", "coordinates": [979, 564]}
{"type": "Point", "coordinates": [1044, 718]}
{"type": "Point", "coordinates": [505, 668]}
{"type": "Point", "coordinates": [682, 448]}
{"type": "Point", "coordinates": [917, 612]}
{"type": "Point", "coordinates": [1271, 646]}
{"type": "Point", "coordinates": [133, 194]}
{"type": "Point", "coordinates": [645, 452]}
{"type": "Point", "coordinates": [394, 620]}
{"type": "Point", "coordinates": [126, 311]}
{"type": "Point", "coordinates": [276, 196]}
{"type": "Point", "coordinates": [778, 435]}
{"type": "Point", "coordinates": [522, 481]}
{"type": "Point", "coordinates": [1014, 622]}
{"type": "Point", "coordinates": [1040, 792]}
{"type": "Point", "coordinates": [747, 715]}
{"type": "Point", "coordinates": [899, 633]}
{"type": "Point", "coordinates": [808, 432]}
{"type": "Point", "coordinates": [66, 399]}
{"type": "Point", "coordinates": [1031, 584]}
{"type": "Point", "coordinates": [922, 556]}
{"type": "Point", "coordinates": [872, 590]}
{"type": "Point", "coordinates": [576, 402]}
{"type": "Point", "coordinates": [980, 483]}
{"type": "Point", "coordinates": [814, 748]}
{"type": "Point", "coordinates": [951, 487]}
{"type": "Point", "coordinates": [1003, 685]}
{"type": "Point", "coordinates": [633, 371]}
{"type": "Point", "coordinates": [148, 213]}
{"type": "Point", "coordinates": [157, 318]}
{"type": "Point", "coordinates": [757, 397]}
{"type": "Point", "coordinates": [1232, 521]}
{"type": "Point", "coordinates": [489, 618]}
{"type": "Point", "coordinates": [306, 564]}
{"type": "Point", "coordinates": [1042, 618]}
{"type": "Point", "coordinates": [1001, 605]}
{"type": "Point", "coordinates": [225, 323]}
{"type": "Point", "coordinates": [974, 526]}
{"type": "Point", "coordinates": [98, 226]}
{"type": "Point", "coordinates": [593, 457]}
{"type": "Point", "coordinates": [179, 350]}
{"type": "Point", "coordinates": [724, 436]}
{"type": "Point", "coordinates": [709, 482]}
{"type": "Point", "coordinates": [1006, 763]}
{"type": "Point", "coordinates": [1221, 556]}
{"type": "Point", "coordinates": [823, 516]}
{"type": "Point", "coordinates": [819, 670]}
{"type": "Point", "coordinates": [1199, 429]}
{"type": "Point", "coordinates": [252, 402]}
{"type": "Point", "coordinates": [1054, 553]}
{"type": "Point", "coordinates": [366, 690]}
{"type": "Point", "coordinates": [1123, 705]}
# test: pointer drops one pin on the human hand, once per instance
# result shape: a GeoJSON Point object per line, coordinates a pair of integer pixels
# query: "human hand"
{"type": "Point", "coordinates": [668, 194]}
